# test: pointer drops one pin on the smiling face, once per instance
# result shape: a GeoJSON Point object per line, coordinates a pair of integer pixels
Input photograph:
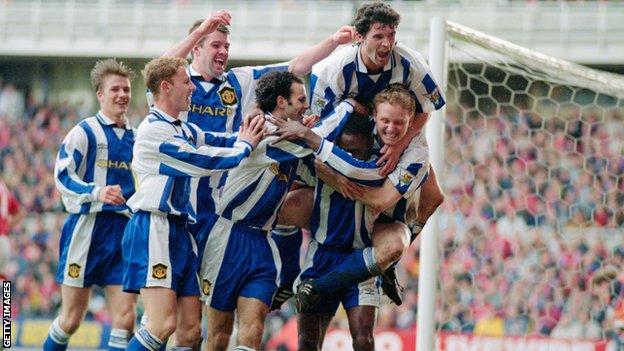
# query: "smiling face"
{"type": "Point", "coordinates": [391, 122]}
{"type": "Point", "coordinates": [114, 96]}
{"type": "Point", "coordinates": [211, 55]}
{"type": "Point", "coordinates": [376, 46]}
{"type": "Point", "coordinates": [297, 104]}
{"type": "Point", "coordinates": [180, 89]}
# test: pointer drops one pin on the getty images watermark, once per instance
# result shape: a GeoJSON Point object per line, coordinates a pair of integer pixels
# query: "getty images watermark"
{"type": "Point", "coordinates": [6, 314]}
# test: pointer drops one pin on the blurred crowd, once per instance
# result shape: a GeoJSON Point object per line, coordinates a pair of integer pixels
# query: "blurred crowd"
{"type": "Point", "coordinates": [531, 227]}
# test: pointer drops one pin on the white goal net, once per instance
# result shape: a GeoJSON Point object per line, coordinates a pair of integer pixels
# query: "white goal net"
{"type": "Point", "coordinates": [531, 234]}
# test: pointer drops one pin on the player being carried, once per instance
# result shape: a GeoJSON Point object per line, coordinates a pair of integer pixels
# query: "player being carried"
{"type": "Point", "coordinates": [393, 111]}
{"type": "Point", "coordinates": [361, 72]}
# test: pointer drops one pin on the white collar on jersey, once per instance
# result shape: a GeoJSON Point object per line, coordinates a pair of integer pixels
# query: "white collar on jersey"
{"type": "Point", "coordinates": [361, 67]}
{"type": "Point", "coordinates": [193, 73]}
{"type": "Point", "coordinates": [105, 120]}
{"type": "Point", "coordinates": [163, 114]}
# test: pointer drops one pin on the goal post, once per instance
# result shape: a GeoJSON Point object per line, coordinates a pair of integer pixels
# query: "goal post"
{"type": "Point", "coordinates": [529, 153]}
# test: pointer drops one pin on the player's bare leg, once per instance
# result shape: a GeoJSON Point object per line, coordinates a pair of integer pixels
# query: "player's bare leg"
{"type": "Point", "coordinates": [311, 329]}
{"type": "Point", "coordinates": [431, 198]}
{"type": "Point", "coordinates": [390, 241]}
{"type": "Point", "coordinates": [220, 326]}
{"type": "Point", "coordinates": [73, 307]}
{"type": "Point", "coordinates": [74, 303]}
{"type": "Point", "coordinates": [297, 208]}
{"type": "Point", "coordinates": [161, 308]}
{"type": "Point", "coordinates": [188, 331]}
{"type": "Point", "coordinates": [251, 315]}
{"type": "Point", "coordinates": [361, 324]}
{"type": "Point", "coordinates": [121, 307]}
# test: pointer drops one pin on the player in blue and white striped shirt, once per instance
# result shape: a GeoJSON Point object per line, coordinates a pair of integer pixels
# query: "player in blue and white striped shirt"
{"type": "Point", "coordinates": [223, 97]}
{"type": "Point", "coordinates": [160, 255]}
{"type": "Point", "coordinates": [339, 226]}
{"type": "Point", "coordinates": [394, 108]}
{"type": "Point", "coordinates": [241, 264]}
{"type": "Point", "coordinates": [92, 173]}
{"type": "Point", "coordinates": [362, 71]}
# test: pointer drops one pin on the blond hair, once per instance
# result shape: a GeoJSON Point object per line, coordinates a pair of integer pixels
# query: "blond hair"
{"type": "Point", "coordinates": [107, 67]}
{"type": "Point", "coordinates": [397, 94]}
{"type": "Point", "coordinates": [159, 69]}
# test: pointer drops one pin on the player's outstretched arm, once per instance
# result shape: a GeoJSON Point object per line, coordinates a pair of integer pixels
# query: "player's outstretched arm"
{"type": "Point", "coordinates": [302, 64]}
{"type": "Point", "coordinates": [376, 198]}
{"type": "Point", "coordinates": [209, 25]}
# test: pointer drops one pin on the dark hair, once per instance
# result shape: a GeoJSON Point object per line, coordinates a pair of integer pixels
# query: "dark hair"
{"type": "Point", "coordinates": [373, 12]}
{"type": "Point", "coordinates": [272, 85]}
{"type": "Point", "coordinates": [358, 124]}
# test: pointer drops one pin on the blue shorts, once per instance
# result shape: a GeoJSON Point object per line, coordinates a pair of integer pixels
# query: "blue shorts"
{"type": "Point", "coordinates": [158, 251]}
{"type": "Point", "coordinates": [90, 250]}
{"type": "Point", "coordinates": [239, 261]}
{"type": "Point", "coordinates": [320, 260]}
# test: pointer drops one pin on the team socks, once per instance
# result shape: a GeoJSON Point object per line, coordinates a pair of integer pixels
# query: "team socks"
{"type": "Point", "coordinates": [118, 340]}
{"type": "Point", "coordinates": [144, 341]}
{"type": "Point", "coordinates": [288, 240]}
{"type": "Point", "coordinates": [57, 338]}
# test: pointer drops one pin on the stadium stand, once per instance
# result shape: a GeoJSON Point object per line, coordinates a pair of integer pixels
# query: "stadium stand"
{"type": "Point", "coordinates": [504, 271]}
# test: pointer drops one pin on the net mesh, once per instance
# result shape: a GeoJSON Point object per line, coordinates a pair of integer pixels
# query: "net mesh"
{"type": "Point", "coordinates": [533, 221]}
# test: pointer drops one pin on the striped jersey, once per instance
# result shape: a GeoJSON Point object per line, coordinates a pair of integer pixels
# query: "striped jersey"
{"type": "Point", "coordinates": [254, 191]}
{"type": "Point", "coordinates": [219, 105]}
{"type": "Point", "coordinates": [407, 177]}
{"type": "Point", "coordinates": [168, 153]}
{"type": "Point", "coordinates": [343, 75]}
{"type": "Point", "coordinates": [95, 153]}
{"type": "Point", "coordinates": [336, 221]}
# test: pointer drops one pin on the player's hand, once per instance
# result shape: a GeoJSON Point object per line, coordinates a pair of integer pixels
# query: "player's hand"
{"type": "Point", "coordinates": [212, 22]}
{"type": "Point", "coordinates": [252, 130]}
{"type": "Point", "coordinates": [340, 183]}
{"type": "Point", "coordinates": [111, 195]}
{"type": "Point", "coordinates": [389, 158]}
{"type": "Point", "coordinates": [311, 120]}
{"type": "Point", "coordinates": [344, 35]}
{"type": "Point", "coordinates": [359, 108]}
{"type": "Point", "coordinates": [287, 129]}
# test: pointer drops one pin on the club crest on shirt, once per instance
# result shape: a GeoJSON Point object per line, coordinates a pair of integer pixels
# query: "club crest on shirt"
{"type": "Point", "coordinates": [159, 271]}
{"type": "Point", "coordinates": [405, 178]}
{"type": "Point", "coordinates": [320, 102]}
{"type": "Point", "coordinates": [228, 96]}
{"type": "Point", "coordinates": [206, 285]}
{"type": "Point", "coordinates": [434, 97]}
{"type": "Point", "coordinates": [73, 271]}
